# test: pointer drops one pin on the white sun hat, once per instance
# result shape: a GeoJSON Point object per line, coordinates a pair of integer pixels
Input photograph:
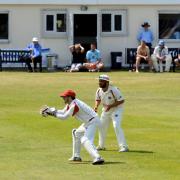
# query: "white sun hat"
{"type": "Point", "coordinates": [104, 77]}
{"type": "Point", "coordinates": [34, 39]}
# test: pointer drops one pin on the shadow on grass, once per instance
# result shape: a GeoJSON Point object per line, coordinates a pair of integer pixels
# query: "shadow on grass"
{"type": "Point", "coordinates": [90, 162]}
{"type": "Point", "coordinates": [140, 151]}
{"type": "Point", "coordinates": [112, 150]}
{"type": "Point", "coordinates": [110, 162]}
{"type": "Point", "coordinates": [130, 151]}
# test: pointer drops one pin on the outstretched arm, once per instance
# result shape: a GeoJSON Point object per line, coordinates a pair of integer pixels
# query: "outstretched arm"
{"type": "Point", "coordinates": [64, 115]}
{"type": "Point", "coordinates": [61, 114]}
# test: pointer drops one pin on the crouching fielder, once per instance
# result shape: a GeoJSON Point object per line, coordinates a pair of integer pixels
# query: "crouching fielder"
{"type": "Point", "coordinates": [85, 133]}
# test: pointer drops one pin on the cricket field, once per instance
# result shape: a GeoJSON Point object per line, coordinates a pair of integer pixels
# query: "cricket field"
{"type": "Point", "coordinates": [37, 148]}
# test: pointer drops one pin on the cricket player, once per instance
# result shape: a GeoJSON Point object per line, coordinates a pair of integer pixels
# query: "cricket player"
{"type": "Point", "coordinates": [85, 133]}
{"type": "Point", "coordinates": [112, 101]}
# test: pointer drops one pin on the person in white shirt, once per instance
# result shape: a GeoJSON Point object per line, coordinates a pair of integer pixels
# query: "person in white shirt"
{"type": "Point", "coordinates": [161, 54]}
{"type": "Point", "coordinates": [112, 101]}
{"type": "Point", "coordinates": [85, 133]}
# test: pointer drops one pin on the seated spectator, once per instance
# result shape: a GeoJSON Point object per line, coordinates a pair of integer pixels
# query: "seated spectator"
{"type": "Point", "coordinates": [143, 53]}
{"type": "Point", "coordinates": [93, 57]}
{"type": "Point", "coordinates": [177, 61]}
{"type": "Point", "coordinates": [35, 56]}
{"type": "Point", "coordinates": [161, 54]}
{"type": "Point", "coordinates": [78, 57]}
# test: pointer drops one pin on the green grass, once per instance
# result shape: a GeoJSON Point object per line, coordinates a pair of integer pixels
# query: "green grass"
{"type": "Point", "coordinates": [36, 148]}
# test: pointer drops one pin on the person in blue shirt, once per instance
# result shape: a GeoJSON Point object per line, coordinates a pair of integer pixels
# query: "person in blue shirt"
{"type": "Point", "coordinates": [146, 35]}
{"type": "Point", "coordinates": [93, 57]}
{"type": "Point", "coordinates": [35, 57]}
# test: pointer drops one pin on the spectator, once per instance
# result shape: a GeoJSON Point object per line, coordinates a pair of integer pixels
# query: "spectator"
{"type": "Point", "coordinates": [78, 57]}
{"type": "Point", "coordinates": [146, 35]}
{"type": "Point", "coordinates": [177, 61]}
{"type": "Point", "coordinates": [35, 57]}
{"type": "Point", "coordinates": [161, 54]}
{"type": "Point", "coordinates": [94, 62]}
{"type": "Point", "coordinates": [143, 53]}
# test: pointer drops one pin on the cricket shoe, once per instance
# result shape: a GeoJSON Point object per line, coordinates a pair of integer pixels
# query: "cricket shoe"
{"type": "Point", "coordinates": [99, 148]}
{"type": "Point", "coordinates": [98, 161]}
{"type": "Point", "coordinates": [124, 149]}
{"type": "Point", "coordinates": [77, 159]}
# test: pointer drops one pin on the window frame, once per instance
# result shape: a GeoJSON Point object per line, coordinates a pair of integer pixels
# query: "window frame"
{"type": "Point", "coordinates": [113, 32]}
{"type": "Point", "coordinates": [166, 12]}
{"type": "Point", "coordinates": [6, 40]}
{"type": "Point", "coordinates": [54, 33]}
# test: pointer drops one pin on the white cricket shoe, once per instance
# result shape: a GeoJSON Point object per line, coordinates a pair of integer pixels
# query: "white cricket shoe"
{"type": "Point", "coordinates": [124, 149]}
{"type": "Point", "coordinates": [78, 159]}
{"type": "Point", "coordinates": [99, 148]}
{"type": "Point", "coordinates": [98, 161]}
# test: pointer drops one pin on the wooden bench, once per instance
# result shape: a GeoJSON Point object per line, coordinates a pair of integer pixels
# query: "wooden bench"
{"type": "Point", "coordinates": [12, 56]}
{"type": "Point", "coordinates": [131, 57]}
{"type": "Point", "coordinates": [17, 55]}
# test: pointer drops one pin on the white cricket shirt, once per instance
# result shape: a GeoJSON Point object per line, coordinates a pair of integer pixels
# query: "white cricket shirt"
{"type": "Point", "coordinates": [109, 97]}
{"type": "Point", "coordinates": [79, 110]}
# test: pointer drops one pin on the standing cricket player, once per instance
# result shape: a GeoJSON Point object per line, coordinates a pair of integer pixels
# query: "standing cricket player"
{"type": "Point", "coordinates": [112, 101]}
{"type": "Point", "coordinates": [85, 133]}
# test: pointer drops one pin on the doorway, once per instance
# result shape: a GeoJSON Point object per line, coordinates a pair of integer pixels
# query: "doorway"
{"type": "Point", "coordinates": [85, 29]}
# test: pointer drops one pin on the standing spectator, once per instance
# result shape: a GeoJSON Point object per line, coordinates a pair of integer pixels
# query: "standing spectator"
{"type": "Point", "coordinates": [161, 55]}
{"type": "Point", "coordinates": [35, 57]}
{"type": "Point", "coordinates": [94, 62]}
{"type": "Point", "coordinates": [112, 101]}
{"type": "Point", "coordinates": [143, 53]}
{"type": "Point", "coordinates": [177, 61]}
{"type": "Point", "coordinates": [146, 35]}
{"type": "Point", "coordinates": [78, 57]}
{"type": "Point", "coordinates": [85, 133]}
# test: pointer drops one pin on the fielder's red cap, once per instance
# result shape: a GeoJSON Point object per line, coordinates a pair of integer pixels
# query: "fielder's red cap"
{"type": "Point", "coordinates": [68, 92]}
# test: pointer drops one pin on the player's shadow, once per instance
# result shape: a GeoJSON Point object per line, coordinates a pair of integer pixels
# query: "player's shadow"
{"type": "Point", "coordinates": [132, 151]}
{"type": "Point", "coordinates": [105, 163]}
{"type": "Point", "coordinates": [140, 151]}
{"type": "Point", "coordinates": [115, 162]}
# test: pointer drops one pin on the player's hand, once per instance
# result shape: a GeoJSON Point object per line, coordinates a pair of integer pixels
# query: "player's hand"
{"type": "Point", "coordinates": [95, 109]}
{"type": "Point", "coordinates": [107, 107]}
{"type": "Point", "coordinates": [43, 111]}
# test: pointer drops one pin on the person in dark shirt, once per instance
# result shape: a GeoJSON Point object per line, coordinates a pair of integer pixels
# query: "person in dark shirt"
{"type": "Point", "coordinates": [78, 57]}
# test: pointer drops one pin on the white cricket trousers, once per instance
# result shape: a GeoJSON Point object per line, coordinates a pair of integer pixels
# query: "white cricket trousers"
{"type": "Point", "coordinates": [116, 118]}
{"type": "Point", "coordinates": [85, 135]}
{"type": "Point", "coordinates": [159, 67]}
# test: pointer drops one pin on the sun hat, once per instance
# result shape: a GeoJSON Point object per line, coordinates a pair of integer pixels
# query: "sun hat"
{"type": "Point", "coordinates": [145, 24]}
{"type": "Point", "coordinates": [161, 43]}
{"type": "Point", "coordinates": [104, 77]}
{"type": "Point", "coordinates": [34, 39]}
